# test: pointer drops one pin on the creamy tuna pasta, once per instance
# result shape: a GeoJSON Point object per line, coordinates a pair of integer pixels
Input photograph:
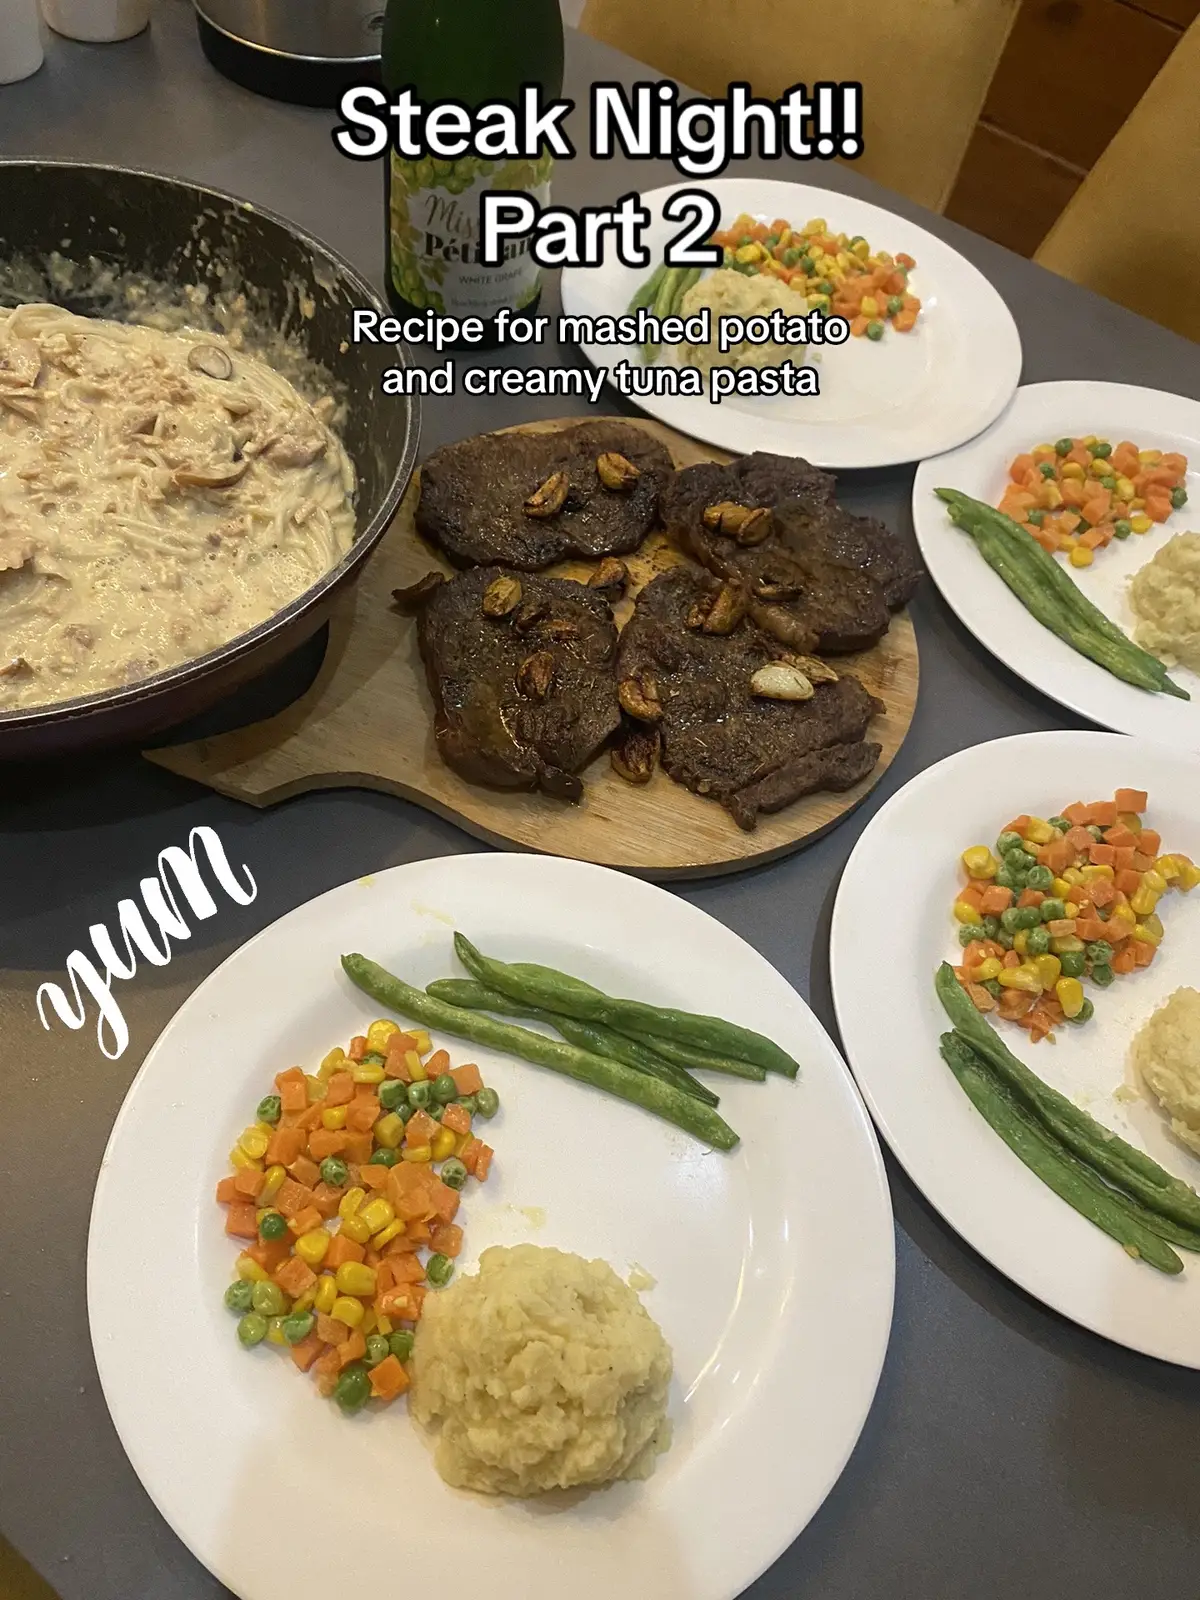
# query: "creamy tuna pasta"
{"type": "Point", "coordinates": [160, 493]}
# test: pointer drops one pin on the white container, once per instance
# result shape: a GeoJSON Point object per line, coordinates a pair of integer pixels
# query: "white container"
{"type": "Point", "coordinates": [20, 40]}
{"type": "Point", "coordinates": [96, 21]}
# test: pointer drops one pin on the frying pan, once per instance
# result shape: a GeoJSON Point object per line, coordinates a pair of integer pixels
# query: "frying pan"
{"type": "Point", "coordinates": [78, 234]}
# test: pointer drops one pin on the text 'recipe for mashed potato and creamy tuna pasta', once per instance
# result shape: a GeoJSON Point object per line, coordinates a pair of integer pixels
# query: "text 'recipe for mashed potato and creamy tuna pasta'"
{"type": "Point", "coordinates": [160, 494]}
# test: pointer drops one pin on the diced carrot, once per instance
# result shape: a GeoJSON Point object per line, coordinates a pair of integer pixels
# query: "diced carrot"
{"type": "Point", "coordinates": [1061, 927]}
{"type": "Point", "coordinates": [305, 1171]}
{"type": "Point", "coordinates": [1021, 465]}
{"type": "Point", "coordinates": [305, 1221]}
{"type": "Point", "coordinates": [1175, 464]}
{"type": "Point", "coordinates": [1010, 958]}
{"type": "Point", "coordinates": [1143, 952]}
{"type": "Point", "coordinates": [270, 1253]}
{"type": "Point", "coordinates": [398, 1302]}
{"type": "Point", "coordinates": [995, 900]}
{"type": "Point", "coordinates": [241, 1221]}
{"type": "Point", "coordinates": [340, 1091]}
{"type": "Point", "coordinates": [1120, 836]}
{"type": "Point", "coordinates": [324, 1142]}
{"type": "Point", "coordinates": [293, 1096]}
{"type": "Point", "coordinates": [227, 1190]}
{"type": "Point", "coordinates": [1131, 800]}
{"type": "Point", "coordinates": [1141, 861]}
{"type": "Point", "coordinates": [342, 1249]}
{"type": "Point", "coordinates": [358, 1047]}
{"type": "Point", "coordinates": [971, 894]}
{"type": "Point", "coordinates": [388, 1378]}
{"type": "Point", "coordinates": [419, 1231]}
{"type": "Point", "coordinates": [483, 1163]}
{"type": "Point", "coordinates": [1030, 897]}
{"type": "Point", "coordinates": [1149, 842]}
{"type": "Point", "coordinates": [400, 1245]}
{"type": "Point", "coordinates": [444, 1199]}
{"type": "Point", "coordinates": [249, 1181]}
{"type": "Point", "coordinates": [1128, 881]}
{"type": "Point", "coordinates": [1089, 929]}
{"type": "Point", "coordinates": [458, 1119]}
{"type": "Point", "coordinates": [447, 1239]}
{"type": "Point", "coordinates": [372, 1257]}
{"type": "Point", "coordinates": [1075, 812]}
{"type": "Point", "coordinates": [1124, 961]}
{"type": "Point", "coordinates": [398, 1046]}
{"type": "Point", "coordinates": [1096, 538]}
{"type": "Point", "coordinates": [325, 1371]}
{"type": "Point", "coordinates": [1015, 1003]}
{"type": "Point", "coordinates": [373, 1176]}
{"type": "Point", "coordinates": [286, 1144]}
{"type": "Point", "coordinates": [420, 1128]}
{"type": "Point", "coordinates": [352, 1349]}
{"type": "Point", "coordinates": [326, 1199]}
{"type": "Point", "coordinates": [310, 1118]}
{"type": "Point", "coordinates": [1103, 892]}
{"type": "Point", "coordinates": [467, 1078]}
{"type": "Point", "coordinates": [357, 1148]}
{"type": "Point", "coordinates": [1102, 855]}
{"type": "Point", "coordinates": [407, 1269]}
{"type": "Point", "coordinates": [330, 1330]}
{"type": "Point", "coordinates": [1079, 839]}
{"type": "Point", "coordinates": [306, 1352]}
{"type": "Point", "coordinates": [859, 325]}
{"type": "Point", "coordinates": [362, 1113]}
{"type": "Point", "coordinates": [293, 1197]}
{"type": "Point", "coordinates": [1103, 813]}
{"type": "Point", "coordinates": [294, 1276]}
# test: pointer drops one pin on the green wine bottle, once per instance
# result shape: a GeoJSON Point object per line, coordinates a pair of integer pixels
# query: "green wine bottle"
{"type": "Point", "coordinates": [472, 51]}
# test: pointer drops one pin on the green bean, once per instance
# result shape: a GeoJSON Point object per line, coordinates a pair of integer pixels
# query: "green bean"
{"type": "Point", "coordinates": [662, 1099]}
{"type": "Point", "coordinates": [644, 296]}
{"type": "Point", "coordinates": [668, 288]}
{"type": "Point", "coordinates": [1106, 1152]}
{"type": "Point", "coordinates": [593, 1036]}
{"type": "Point", "coordinates": [558, 991]}
{"type": "Point", "coordinates": [1071, 1180]}
{"type": "Point", "coordinates": [693, 1059]}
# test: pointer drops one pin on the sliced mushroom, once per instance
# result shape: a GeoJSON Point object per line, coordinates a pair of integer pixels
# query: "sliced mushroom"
{"type": "Point", "coordinates": [548, 499]}
{"type": "Point", "coordinates": [635, 756]}
{"type": "Point", "coordinates": [610, 577]}
{"type": "Point", "coordinates": [780, 680]}
{"type": "Point", "coordinates": [411, 600]}
{"type": "Point", "coordinates": [211, 360]}
{"type": "Point", "coordinates": [529, 614]}
{"type": "Point", "coordinates": [639, 697]}
{"type": "Point", "coordinates": [24, 403]}
{"type": "Point", "coordinates": [727, 610]}
{"type": "Point", "coordinates": [535, 675]}
{"type": "Point", "coordinates": [214, 475]}
{"type": "Point", "coordinates": [20, 363]}
{"type": "Point", "coordinates": [616, 471]}
{"type": "Point", "coordinates": [501, 596]}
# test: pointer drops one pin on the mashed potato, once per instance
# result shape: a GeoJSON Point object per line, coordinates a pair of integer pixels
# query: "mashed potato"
{"type": "Point", "coordinates": [734, 294]}
{"type": "Point", "coordinates": [1165, 595]}
{"type": "Point", "coordinates": [545, 1372]}
{"type": "Point", "coordinates": [1167, 1054]}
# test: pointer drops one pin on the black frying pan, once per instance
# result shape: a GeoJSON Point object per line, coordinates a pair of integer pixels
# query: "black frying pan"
{"type": "Point", "coordinates": [176, 232]}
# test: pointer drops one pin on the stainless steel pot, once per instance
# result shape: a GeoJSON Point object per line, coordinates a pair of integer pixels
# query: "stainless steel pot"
{"type": "Point", "coordinates": [177, 232]}
{"type": "Point", "coordinates": [303, 50]}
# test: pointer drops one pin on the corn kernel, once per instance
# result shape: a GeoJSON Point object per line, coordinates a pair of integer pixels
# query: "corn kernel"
{"type": "Point", "coordinates": [334, 1118]}
{"type": "Point", "coordinates": [312, 1246]}
{"type": "Point", "coordinates": [1062, 890]}
{"type": "Point", "coordinates": [1066, 945]}
{"type": "Point", "coordinates": [1122, 917]}
{"type": "Point", "coordinates": [367, 1325]}
{"type": "Point", "coordinates": [242, 1161]}
{"type": "Point", "coordinates": [386, 1235]}
{"type": "Point", "coordinates": [276, 1178]}
{"type": "Point", "coordinates": [1070, 909]}
{"type": "Point", "coordinates": [1069, 992]}
{"type": "Point", "coordinates": [1125, 490]}
{"type": "Point", "coordinates": [350, 1202]}
{"type": "Point", "coordinates": [1130, 820]}
{"type": "Point", "coordinates": [1149, 458]}
{"type": "Point", "coordinates": [367, 1072]}
{"type": "Point", "coordinates": [249, 1271]}
{"type": "Point", "coordinates": [383, 1324]}
{"type": "Point", "coordinates": [746, 253]}
{"type": "Point", "coordinates": [1049, 969]}
{"type": "Point", "coordinates": [1090, 874]}
{"type": "Point", "coordinates": [416, 1152]}
{"type": "Point", "coordinates": [1143, 900]}
{"type": "Point", "coordinates": [376, 1214]}
{"type": "Point", "coordinates": [987, 969]}
{"type": "Point", "coordinates": [1189, 876]}
{"type": "Point", "coordinates": [424, 1042]}
{"type": "Point", "coordinates": [979, 862]}
{"type": "Point", "coordinates": [275, 1331]}
{"type": "Point", "coordinates": [304, 1302]}
{"type": "Point", "coordinates": [348, 1310]}
{"type": "Point", "coordinates": [1140, 522]}
{"type": "Point", "coordinates": [1154, 880]}
{"type": "Point", "coordinates": [254, 1142]}
{"type": "Point", "coordinates": [1052, 496]}
{"type": "Point", "coordinates": [461, 1143]}
{"type": "Point", "coordinates": [1152, 928]}
{"type": "Point", "coordinates": [353, 1277]}
{"type": "Point", "coordinates": [389, 1131]}
{"type": "Point", "coordinates": [1167, 867]}
{"type": "Point", "coordinates": [1081, 556]}
{"type": "Point", "coordinates": [355, 1228]}
{"type": "Point", "coordinates": [1040, 832]}
{"type": "Point", "coordinates": [1137, 503]}
{"type": "Point", "coordinates": [1021, 941]}
{"type": "Point", "coordinates": [325, 1294]}
{"type": "Point", "coordinates": [442, 1144]}
{"type": "Point", "coordinates": [1071, 469]}
{"type": "Point", "coordinates": [333, 1062]}
{"type": "Point", "coordinates": [1098, 467]}
{"type": "Point", "coordinates": [1020, 978]}
{"type": "Point", "coordinates": [416, 1071]}
{"type": "Point", "coordinates": [315, 1087]}
{"type": "Point", "coordinates": [1073, 875]}
{"type": "Point", "coordinates": [1141, 932]}
{"type": "Point", "coordinates": [964, 912]}
{"type": "Point", "coordinates": [379, 1033]}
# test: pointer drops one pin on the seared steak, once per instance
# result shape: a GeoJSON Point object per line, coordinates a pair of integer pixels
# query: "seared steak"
{"type": "Point", "coordinates": [475, 495]}
{"type": "Point", "coordinates": [521, 673]}
{"type": "Point", "coordinates": [818, 576]}
{"type": "Point", "coordinates": [720, 738]}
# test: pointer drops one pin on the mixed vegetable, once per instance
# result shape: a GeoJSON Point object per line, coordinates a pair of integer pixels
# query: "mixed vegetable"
{"type": "Point", "coordinates": [345, 1180]}
{"type": "Point", "coordinates": [1117, 1187]}
{"type": "Point", "coordinates": [1078, 495]}
{"type": "Point", "coordinates": [640, 1053]}
{"type": "Point", "coordinates": [1049, 595]}
{"type": "Point", "coordinates": [1061, 901]}
{"type": "Point", "coordinates": [836, 273]}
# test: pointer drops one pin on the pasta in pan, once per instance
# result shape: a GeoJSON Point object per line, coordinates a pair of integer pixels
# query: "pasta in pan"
{"type": "Point", "coordinates": [160, 494]}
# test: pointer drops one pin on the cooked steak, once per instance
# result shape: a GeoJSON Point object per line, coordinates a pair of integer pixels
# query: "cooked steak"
{"type": "Point", "coordinates": [521, 673]}
{"type": "Point", "coordinates": [819, 577]}
{"type": "Point", "coordinates": [719, 737]}
{"type": "Point", "coordinates": [477, 497]}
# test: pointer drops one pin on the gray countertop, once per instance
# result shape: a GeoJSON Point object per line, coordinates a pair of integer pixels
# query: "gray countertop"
{"type": "Point", "coordinates": [1008, 1452]}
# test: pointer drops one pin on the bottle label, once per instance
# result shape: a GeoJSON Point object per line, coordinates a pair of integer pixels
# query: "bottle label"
{"type": "Point", "coordinates": [433, 233]}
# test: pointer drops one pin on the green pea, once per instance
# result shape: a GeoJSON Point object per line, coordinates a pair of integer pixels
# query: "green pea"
{"type": "Point", "coordinates": [1004, 939]}
{"type": "Point", "coordinates": [771, 241]}
{"type": "Point", "coordinates": [968, 932]}
{"type": "Point", "coordinates": [1179, 498]}
{"type": "Point", "coordinates": [453, 1173]}
{"type": "Point", "coordinates": [439, 1269]}
{"type": "Point", "coordinates": [1047, 469]}
{"type": "Point", "coordinates": [875, 329]}
{"type": "Point", "coordinates": [1122, 528]}
{"type": "Point", "coordinates": [1074, 963]}
{"type": "Point", "coordinates": [995, 989]}
{"type": "Point", "coordinates": [1101, 448]}
{"type": "Point", "coordinates": [270, 1109]}
{"type": "Point", "coordinates": [436, 1110]}
{"type": "Point", "coordinates": [383, 1158]}
{"type": "Point", "coordinates": [404, 1110]}
{"type": "Point", "coordinates": [420, 1094]}
{"type": "Point", "coordinates": [444, 1089]}
{"type": "Point", "coordinates": [1099, 952]}
{"type": "Point", "coordinates": [1086, 1012]}
{"type": "Point", "coordinates": [1096, 831]}
{"type": "Point", "coordinates": [1038, 942]}
{"type": "Point", "coordinates": [1039, 877]}
{"type": "Point", "coordinates": [334, 1171]}
{"type": "Point", "coordinates": [791, 256]}
{"type": "Point", "coordinates": [1035, 517]}
{"type": "Point", "coordinates": [1052, 910]}
{"type": "Point", "coordinates": [252, 1329]}
{"type": "Point", "coordinates": [237, 1296]}
{"type": "Point", "coordinates": [1102, 974]}
{"type": "Point", "coordinates": [1004, 878]}
{"type": "Point", "coordinates": [1028, 917]}
{"type": "Point", "coordinates": [272, 1225]}
{"type": "Point", "coordinates": [1007, 842]}
{"type": "Point", "coordinates": [1061, 823]}
{"type": "Point", "coordinates": [991, 927]}
{"type": "Point", "coordinates": [1082, 525]}
{"type": "Point", "coordinates": [372, 1059]}
{"type": "Point", "coordinates": [1063, 447]}
{"type": "Point", "coordinates": [378, 1350]}
{"type": "Point", "coordinates": [392, 1093]}
{"type": "Point", "coordinates": [268, 1299]}
{"type": "Point", "coordinates": [468, 1103]}
{"type": "Point", "coordinates": [825, 287]}
{"type": "Point", "coordinates": [488, 1101]}
{"type": "Point", "coordinates": [353, 1388]}
{"type": "Point", "coordinates": [895, 305]}
{"type": "Point", "coordinates": [1108, 483]}
{"type": "Point", "coordinates": [298, 1326]}
{"type": "Point", "coordinates": [401, 1344]}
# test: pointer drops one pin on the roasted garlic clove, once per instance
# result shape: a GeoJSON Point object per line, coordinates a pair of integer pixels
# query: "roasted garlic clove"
{"type": "Point", "coordinates": [501, 596]}
{"type": "Point", "coordinates": [639, 697]}
{"type": "Point", "coordinates": [548, 498]}
{"type": "Point", "coordinates": [635, 755]}
{"type": "Point", "coordinates": [610, 577]}
{"type": "Point", "coordinates": [780, 680]}
{"type": "Point", "coordinates": [535, 675]}
{"type": "Point", "coordinates": [616, 471]}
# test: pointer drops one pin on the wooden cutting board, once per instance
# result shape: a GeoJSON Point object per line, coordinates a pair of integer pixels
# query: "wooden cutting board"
{"type": "Point", "coordinates": [367, 722]}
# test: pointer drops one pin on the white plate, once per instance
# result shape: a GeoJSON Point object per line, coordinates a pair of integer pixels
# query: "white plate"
{"type": "Point", "coordinates": [891, 1021]}
{"type": "Point", "coordinates": [910, 395]}
{"type": "Point", "coordinates": [1041, 413]}
{"type": "Point", "coordinates": [774, 1265]}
